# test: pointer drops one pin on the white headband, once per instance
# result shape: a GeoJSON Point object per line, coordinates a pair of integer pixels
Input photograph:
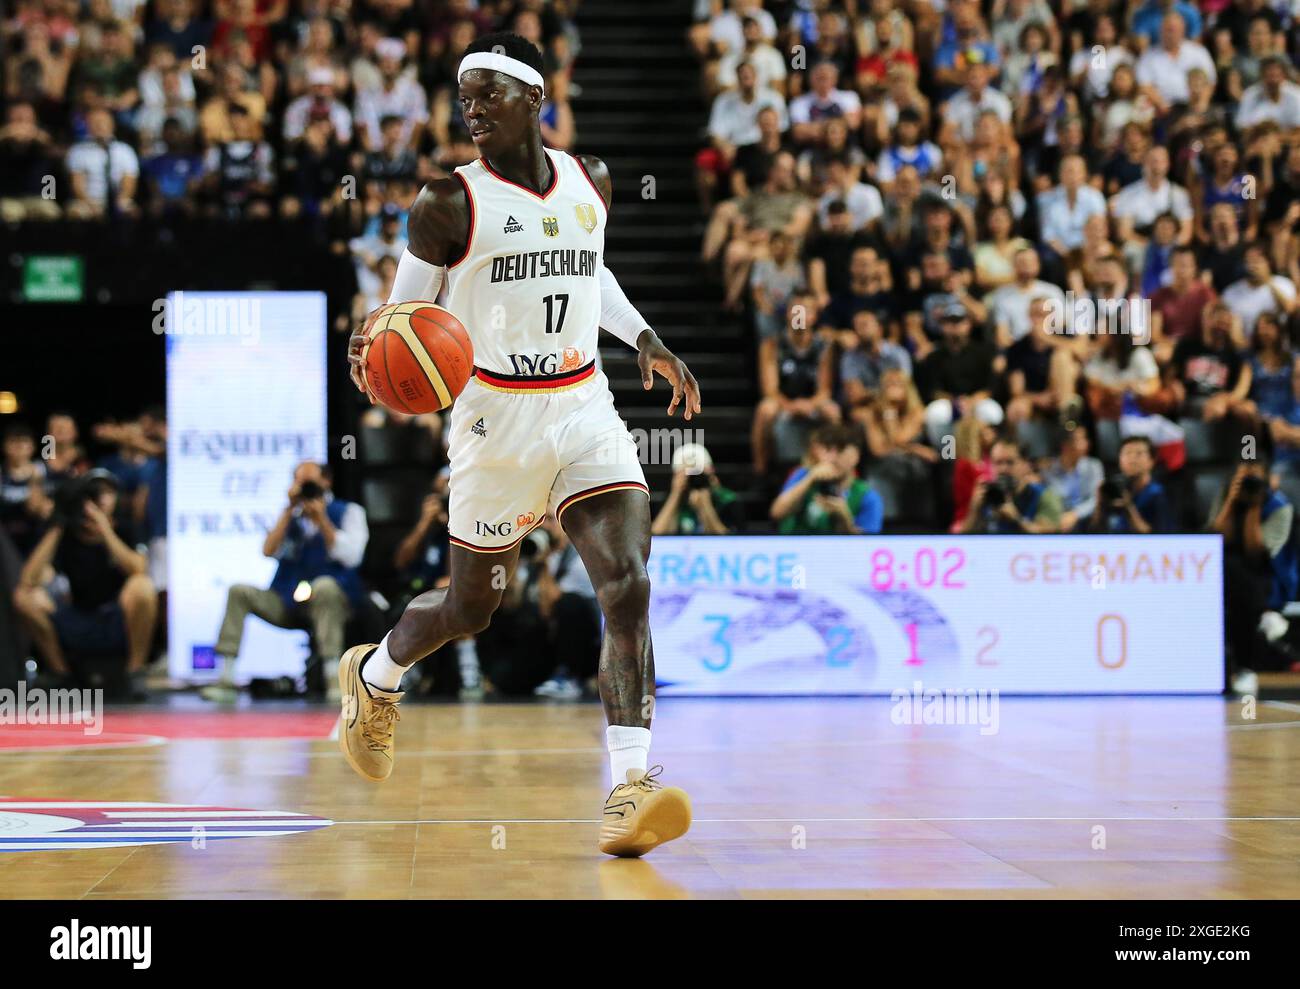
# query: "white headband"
{"type": "Point", "coordinates": [504, 64]}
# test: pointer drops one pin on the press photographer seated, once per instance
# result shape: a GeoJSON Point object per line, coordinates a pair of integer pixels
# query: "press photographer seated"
{"type": "Point", "coordinates": [1013, 502]}
{"type": "Point", "coordinates": [319, 541]}
{"type": "Point", "coordinates": [111, 604]}
{"type": "Point", "coordinates": [826, 496]}
{"type": "Point", "coordinates": [1132, 501]}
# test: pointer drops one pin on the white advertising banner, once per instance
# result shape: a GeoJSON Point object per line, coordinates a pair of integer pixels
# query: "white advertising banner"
{"type": "Point", "coordinates": [245, 404]}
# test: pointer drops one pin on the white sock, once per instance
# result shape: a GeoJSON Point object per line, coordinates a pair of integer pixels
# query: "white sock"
{"type": "Point", "coordinates": [629, 748]}
{"type": "Point", "coordinates": [227, 676]}
{"type": "Point", "coordinates": [467, 660]}
{"type": "Point", "coordinates": [380, 670]}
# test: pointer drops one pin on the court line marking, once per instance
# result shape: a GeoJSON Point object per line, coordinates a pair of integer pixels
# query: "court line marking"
{"type": "Point", "coordinates": [855, 820]}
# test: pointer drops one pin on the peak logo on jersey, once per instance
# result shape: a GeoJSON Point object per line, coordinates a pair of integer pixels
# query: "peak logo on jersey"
{"type": "Point", "coordinates": [528, 518]}
{"type": "Point", "coordinates": [587, 218]}
{"type": "Point", "coordinates": [478, 429]}
{"type": "Point", "coordinates": [58, 825]}
{"type": "Point", "coordinates": [513, 226]}
{"type": "Point", "coordinates": [570, 359]}
{"type": "Point", "coordinates": [551, 226]}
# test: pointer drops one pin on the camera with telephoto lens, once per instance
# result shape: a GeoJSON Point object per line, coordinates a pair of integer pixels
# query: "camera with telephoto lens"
{"type": "Point", "coordinates": [1113, 489]}
{"type": "Point", "coordinates": [310, 491]}
{"type": "Point", "coordinates": [827, 489]}
{"type": "Point", "coordinates": [1252, 488]}
{"type": "Point", "coordinates": [72, 495]}
{"type": "Point", "coordinates": [999, 491]}
{"type": "Point", "coordinates": [697, 482]}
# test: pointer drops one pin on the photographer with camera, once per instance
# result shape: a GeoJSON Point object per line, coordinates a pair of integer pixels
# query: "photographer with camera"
{"type": "Point", "coordinates": [826, 496]}
{"type": "Point", "coordinates": [1132, 501]}
{"type": "Point", "coordinates": [1012, 502]}
{"type": "Point", "coordinates": [697, 503]}
{"type": "Point", "coordinates": [319, 541]}
{"type": "Point", "coordinates": [516, 648]}
{"type": "Point", "coordinates": [1260, 573]}
{"type": "Point", "coordinates": [112, 604]}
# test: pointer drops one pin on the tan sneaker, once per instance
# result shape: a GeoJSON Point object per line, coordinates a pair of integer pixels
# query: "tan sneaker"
{"type": "Point", "coordinates": [642, 814]}
{"type": "Point", "coordinates": [366, 727]}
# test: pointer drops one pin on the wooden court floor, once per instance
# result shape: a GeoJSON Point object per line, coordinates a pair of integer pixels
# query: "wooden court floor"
{"type": "Point", "coordinates": [1099, 797]}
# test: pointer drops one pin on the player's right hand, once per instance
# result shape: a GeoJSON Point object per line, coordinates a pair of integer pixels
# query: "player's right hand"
{"type": "Point", "coordinates": [357, 344]}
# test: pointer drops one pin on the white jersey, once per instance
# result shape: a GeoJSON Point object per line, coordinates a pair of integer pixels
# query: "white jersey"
{"type": "Point", "coordinates": [527, 288]}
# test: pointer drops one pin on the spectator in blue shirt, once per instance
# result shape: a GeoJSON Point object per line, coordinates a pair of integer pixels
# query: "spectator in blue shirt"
{"type": "Point", "coordinates": [1148, 17]}
{"type": "Point", "coordinates": [826, 496]}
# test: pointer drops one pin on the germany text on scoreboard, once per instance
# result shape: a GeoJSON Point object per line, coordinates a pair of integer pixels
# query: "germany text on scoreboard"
{"type": "Point", "coordinates": [871, 614]}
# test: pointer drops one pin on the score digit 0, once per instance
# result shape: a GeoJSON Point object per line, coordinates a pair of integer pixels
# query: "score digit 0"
{"type": "Point", "coordinates": [1123, 641]}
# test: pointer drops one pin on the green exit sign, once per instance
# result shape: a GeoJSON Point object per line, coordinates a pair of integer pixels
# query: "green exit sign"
{"type": "Point", "coordinates": [53, 278]}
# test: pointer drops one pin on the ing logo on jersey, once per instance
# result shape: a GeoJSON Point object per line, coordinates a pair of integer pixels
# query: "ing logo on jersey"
{"type": "Point", "coordinates": [58, 825]}
{"type": "Point", "coordinates": [586, 214]}
{"type": "Point", "coordinates": [571, 359]}
{"type": "Point", "coordinates": [551, 226]}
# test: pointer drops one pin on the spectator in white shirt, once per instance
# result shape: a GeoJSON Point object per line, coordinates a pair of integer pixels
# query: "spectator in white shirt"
{"type": "Point", "coordinates": [1274, 98]}
{"type": "Point", "coordinates": [1162, 70]}
{"type": "Point", "coordinates": [725, 31]}
{"type": "Point", "coordinates": [733, 120]}
{"type": "Point", "coordinates": [104, 172]}
{"type": "Point", "coordinates": [1136, 206]}
{"type": "Point", "coordinates": [1008, 306]}
{"type": "Point", "coordinates": [318, 102]}
{"type": "Point", "coordinates": [974, 99]}
{"type": "Point", "coordinates": [863, 201]}
{"type": "Point", "coordinates": [766, 60]}
{"type": "Point", "coordinates": [1260, 291]}
{"type": "Point", "coordinates": [1063, 211]}
{"type": "Point", "coordinates": [809, 112]}
{"type": "Point", "coordinates": [398, 95]}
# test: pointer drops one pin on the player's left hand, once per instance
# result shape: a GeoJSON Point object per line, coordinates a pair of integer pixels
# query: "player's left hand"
{"type": "Point", "coordinates": [655, 358]}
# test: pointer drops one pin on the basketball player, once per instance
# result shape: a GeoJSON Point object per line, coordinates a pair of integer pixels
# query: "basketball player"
{"type": "Point", "coordinates": [517, 238]}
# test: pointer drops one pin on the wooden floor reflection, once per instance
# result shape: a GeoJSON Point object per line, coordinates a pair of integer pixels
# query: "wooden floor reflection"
{"type": "Point", "coordinates": [1097, 797]}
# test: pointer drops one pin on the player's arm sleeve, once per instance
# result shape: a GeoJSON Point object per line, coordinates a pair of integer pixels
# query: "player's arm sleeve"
{"type": "Point", "coordinates": [617, 315]}
{"type": "Point", "coordinates": [350, 537]}
{"type": "Point", "coordinates": [416, 279]}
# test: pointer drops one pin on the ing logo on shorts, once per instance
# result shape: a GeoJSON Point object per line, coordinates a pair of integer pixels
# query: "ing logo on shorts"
{"type": "Point", "coordinates": [493, 528]}
{"type": "Point", "coordinates": [528, 518]}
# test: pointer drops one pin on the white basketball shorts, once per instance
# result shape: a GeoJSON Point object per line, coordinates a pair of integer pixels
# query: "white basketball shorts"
{"type": "Point", "coordinates": [520, 447]}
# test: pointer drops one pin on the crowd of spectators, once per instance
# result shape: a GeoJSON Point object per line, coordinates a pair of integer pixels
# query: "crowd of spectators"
{"type": "Point", "coordinates": [959, 227]}
{"type": "Point", "coordinates": [248, 110]}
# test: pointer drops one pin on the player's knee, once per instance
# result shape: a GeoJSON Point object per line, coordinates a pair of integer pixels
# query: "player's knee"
{"type": "Point", "coordinates": [626, 596]}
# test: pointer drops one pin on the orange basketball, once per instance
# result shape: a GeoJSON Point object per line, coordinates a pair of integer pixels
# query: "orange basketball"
{"type": "Point", "coordinates": [418, 359]}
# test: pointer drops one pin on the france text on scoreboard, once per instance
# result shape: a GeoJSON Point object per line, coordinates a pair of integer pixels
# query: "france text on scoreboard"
{"type": "Point", "coordinates": [245, 404]}
{"type": "Point", "coordinates": [872, 614]}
